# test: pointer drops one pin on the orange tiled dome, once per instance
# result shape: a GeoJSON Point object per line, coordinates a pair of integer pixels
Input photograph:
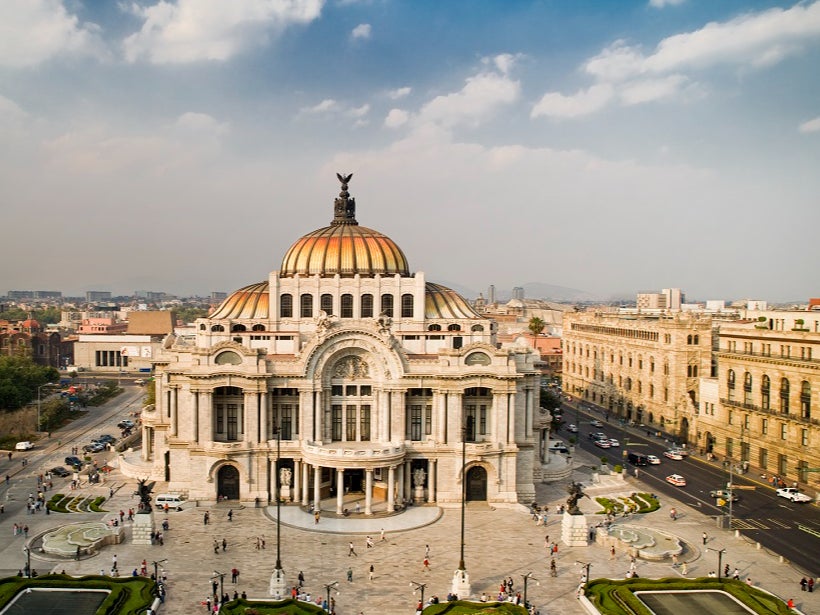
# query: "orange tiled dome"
{"type": "Point", "coordinates": [344, 247]}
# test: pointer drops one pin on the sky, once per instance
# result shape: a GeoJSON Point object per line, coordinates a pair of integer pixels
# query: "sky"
{"type": "Point", "coordinates": [613, 146]}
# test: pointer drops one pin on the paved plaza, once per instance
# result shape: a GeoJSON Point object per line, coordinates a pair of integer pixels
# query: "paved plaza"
{"type": "Point", "coordinates": [499, 543]}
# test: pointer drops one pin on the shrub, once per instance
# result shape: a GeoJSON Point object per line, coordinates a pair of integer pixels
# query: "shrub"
{"type": "Point", "coordinates": [618, 469]}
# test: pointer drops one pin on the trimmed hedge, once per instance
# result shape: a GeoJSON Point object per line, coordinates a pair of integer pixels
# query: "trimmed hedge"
{"type": "Point", "coordinates": [129, 595]}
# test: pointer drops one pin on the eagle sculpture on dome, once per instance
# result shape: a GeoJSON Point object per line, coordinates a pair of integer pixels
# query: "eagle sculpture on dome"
{"type": "Point", "coordinates": [344, 179]}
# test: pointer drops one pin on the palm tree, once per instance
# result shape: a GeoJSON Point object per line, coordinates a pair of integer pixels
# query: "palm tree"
{"type": "Point", "coordinates": [536, 327]}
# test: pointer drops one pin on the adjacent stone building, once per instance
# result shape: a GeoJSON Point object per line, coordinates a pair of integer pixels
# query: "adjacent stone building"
{"type": "Point", "coordinates": [351, 374]}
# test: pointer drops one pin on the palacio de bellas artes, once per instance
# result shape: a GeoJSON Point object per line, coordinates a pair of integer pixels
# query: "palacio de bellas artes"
{"type": "Point", "coordinates": [357, 376]}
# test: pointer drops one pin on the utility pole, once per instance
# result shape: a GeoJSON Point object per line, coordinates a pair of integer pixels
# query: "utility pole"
{"type": "Point", "coordinates": [328, 588]}
{"type": "Point", "coordinates": [420, 587]}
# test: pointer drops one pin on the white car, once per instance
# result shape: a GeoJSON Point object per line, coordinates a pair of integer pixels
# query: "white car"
{"type": "Point", "coordinates": [572, 428]}
{"type": "Point", "coordinates": [790, 493]}
{"type": "Point", "coordinates": [24, 446]}
{"type": "Point", "coordinates": [602, 443]}
{"type": "Point", "coordinates": [673, 455]}
{"type": "Point", "coordinates": [596, 423]}
{"type": "Point", "coordinates": [614, 443]}
{"type": "Point", "coordinates": [653, 460]}
{"type": "Point", "coordinates": [676, 479]}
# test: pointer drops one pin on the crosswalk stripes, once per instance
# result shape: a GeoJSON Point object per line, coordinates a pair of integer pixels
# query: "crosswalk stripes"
{"type": "Point", "coordinates": [760, 524]}
{"type": "Point", "coordinates": [780, 524]}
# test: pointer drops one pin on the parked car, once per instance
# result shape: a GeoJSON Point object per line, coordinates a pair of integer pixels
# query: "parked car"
{"type": "Point", "coordinates": [673, 455]}
{"type": "Point", "coordinates": [793, 494]}
{"type": "Point", "coordinates": [94, 447]}
{"type": "Point", "coordinates": [676, 479]}
{"type": "Point", "coordinates": [572, 428]}
{"type": "Point", "coordinates": [653, 460]}
{"type": "Point", "coordinates": [596, 423]}
{"type": "Point", "coordinates": [25, 445]}
{"type": "Point", "coordinates": [60, 471]}
{"type": "Point", "coordinates": [74, 462]}
{"type": "Point", "coordinates": [105, 439]}
{"type": "Point", "coordinates": [723, 494]}
{"type": "Point", "coordinates": [126, 424]}
{"type": "Point", "coordinates": [683, 452]}
{"type": "Point", "coordinates": [614, 443]}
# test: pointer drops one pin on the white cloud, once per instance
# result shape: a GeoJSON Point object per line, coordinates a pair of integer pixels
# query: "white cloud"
{"type": "Point", "coordinates": [504, 62]}
{"type": "Point", "coordinates": [583, 102]}
{"type": "Point", "coordinates": [201, 124]}
{"type": "Point", "coordinates": [396, 118]}
{"type": "Point", "coordinates": [399, 93]}
{"type": "Point", "coordinates": [194, 30]}
{"type": "Point", "coordinates": [11, 112]}
{"type": "Point", "coordinates": [480, 97]}
{"type": "Point", "coordinates": [810, 126]}
{"type": "Point", "coordinates": [753, 39]}
{"type": "Point", "coordinates": [359, 111]}
{"type": "Point", "coordinates": [648, 90]}
{"type": "Point", "coordinates": [362, 31]}
{"type": "Point", "coordinates": [659, 4]}
{"type": "Point", "coordinates": [328, 105]}
{"type": "Point", "coordinates": [35, 31]}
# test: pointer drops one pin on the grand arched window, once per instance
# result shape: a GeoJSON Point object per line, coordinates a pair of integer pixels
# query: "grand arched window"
{"type": "Point", "coordinates": [765, 393]}
{"type": "Point", "coordinates": [286, 306]}
{"type": "Point", "coordinates": [306, 306]}
{"type": "Point", "coordinates": [407, 305]}
{"type": "Point", "coordinates": [326, 304]}
{"type": "Point", "coordinates": [228, 408]}
{"type": "Point", "coordinates": [387, 305]}
{"type": "Point", "coordinates": [346, 307]}
{"type": "Point", "coordinates": [784, 396]}
{"type": "Point", "coordinates": [367, 306]}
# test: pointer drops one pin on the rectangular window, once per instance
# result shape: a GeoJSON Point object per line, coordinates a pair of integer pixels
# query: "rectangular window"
{"type": "Point", "coordinates": [220, 418]}
{"type": "Point", "coordinates": [804, 437]}
{"type": "Point", "coordinates": [366, 390]}
{"type": "Point", "coordinates": [803, 471]}
{"type": "Point", "coordinates": [306, 306]}
{"type": "Point", "coordinates": [428, 420]}
{"type": "Point", "coordinates": [482, 420]}
{"type": "Point", "coordinates": [407, 306]}
{"type": "Point", "coordinates": [326, 304]}
{"type": "Point", "coordinates": [367, 306]}
{"type": "Point", "coordinates": [364, 415]}
{"type": "Point", "coordinates": [415, 423]}
{"type": "Point", "coordinates": [233, 421]}
{"type": "Point", "coordinates": [286, 430]}
{"type": "Point", "coordinates": [387, 305]}
{"type": "Point", "coordinates": [763, 458]}
{"type": "Point", "coordinates": [784, 431]}
{"type": "Point", "coordinates": [782, 465]}
{"type": "Point", "coordinates": [350, 421]}
{"type": "Point", "coordinates": [730, 446]}
{"type": "Point", "coordinates": [336, 423]}
{"type": "Point", "coordinates": [764, 426]}
{"type": "Point", "coordinates": [731, 417]}
{"type": "Point", "coordinates": [346, 307]}
{"type": "Point", "coordinates": [470, 422]}
{"type": "Point", "coordinates": [286, 306]}
{"type": "Point", "coordinates": [351, 389]}
{"type": "Point", "coordinates": [336, 390]}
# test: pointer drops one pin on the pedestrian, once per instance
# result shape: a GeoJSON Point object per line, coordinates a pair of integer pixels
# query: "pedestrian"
{"type": "Point", "coordinates": [736, 575]}
{"type": "Point", "coordinates": [208, 604]}
{"type": "Point", "coordinates": [316, 517]}
{"type": "Point", "coordinates": [674, 514]}
{"type": "Point", "coordinates": [372, 569]}
{"type": "Point", "coordinates": [426, 550]}
{"type": "Point", "coordinates": [425, 564]}
{"type": "Point", "coordinates": [612, 552]}
{"type": "Point", "coordinates": [224, 545]}
{"type": "Point", "coordinates": [705, 537]}
{"type": "Point", "coordinates": [114, 562]}
{"type": "Point", "coordinates": [230, 515]}
{"type": "Point", "coordinates": [77, 555]}
{"type": "Point", "coordinates": [216, 548]}
{"type": "Point", "coordinates": [803, 584]}
{"type": "Point", "coordinates": [684, 569]}
{"type": "Point", "coordinates": [301, 578]}
{"type": "Point", "coordinates": [810, 584]}
{"type": "Point", "coordinates": [234, 575]}
{"type": "Point", "coordinates": [790, 603]}
{"type": "Point", "coordinates": [206, 517]}
{"type": "Point", "coordinates": [351, 550]}
{"type": "Point", "coordinates": [349, 575]}
{"type": "Point", "coordinates": [674, 560]}
{"type": "Point", "coordinates": [547, 542]}
{"type": "Point", "coordinates": [749, 581]}
{"type": "Point", "coordinates": [369, 542]}
{"type": "Point", "coordinates": [726, 571]}
{"type": "Point", "coordinates": [553, 568]}
{"type": "Point", "coordinates": [262, 542]}
{"type": "Point", "coordinates": [382, 534]}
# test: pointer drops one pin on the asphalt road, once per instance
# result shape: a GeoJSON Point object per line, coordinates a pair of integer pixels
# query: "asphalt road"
{"type": "Point", "coordinates": [788, 529]}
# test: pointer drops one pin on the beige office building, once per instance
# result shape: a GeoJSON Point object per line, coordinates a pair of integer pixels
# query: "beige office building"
{"type": "Point", "coordinates": [768, 380]}
{"type": "Point", "coordinates": [354, 376]}
{"type": "Point", "coordinates": [642, 368]}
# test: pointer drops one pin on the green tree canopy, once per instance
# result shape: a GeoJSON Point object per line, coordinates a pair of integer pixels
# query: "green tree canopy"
{"type": "Point", "coordinates": [536, 326]}
{"type": "Point", "coordinates": [19, 379]}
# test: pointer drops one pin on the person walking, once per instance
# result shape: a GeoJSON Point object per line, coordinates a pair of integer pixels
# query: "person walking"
{"type": "Point", "coordinates": [612, 552]}
{"type": "Point", "coordinates": [230, 514]}
{"type": "Point", "coordinates": [351, 550]}
{"type": "Point", "coordinates": [216, 546]}
{"type": "Point", "coordinates": [425, 566]}
{"type": "Point", "coordinates": [382, 535]}
{"type": "Point", "coordinates": [810, 584]}
{"type": "Point", "coordinates": [224, 545]}
{"type": "Point", "coordinates": [301, 578]}
{"type": "Point", "coordinates": [206, 517]}
{"type": "Point", "coordinates": [705, 537]}
{"type": "Point", "coordinates": [372, 570]}
{"type": "Point", "coordinates": [369, 542]}
{"type": "Point", "coordinates": [349, 574]}
{"type": "Point", "coordinates": [553, 568]}
{"type": "Point", "coordinates": [803, 584]}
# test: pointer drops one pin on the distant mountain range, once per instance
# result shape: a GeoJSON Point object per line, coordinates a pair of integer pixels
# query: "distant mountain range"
{"type": "Point", "coordinates": [532, 290]}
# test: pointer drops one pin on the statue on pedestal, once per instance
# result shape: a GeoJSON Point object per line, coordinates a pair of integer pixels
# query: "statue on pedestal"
{"type": "Point", "coordinates": [144, 489]}
{"type": "Point", "coordinates": [576, 492]}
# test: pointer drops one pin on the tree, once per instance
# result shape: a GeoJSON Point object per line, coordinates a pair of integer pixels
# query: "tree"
{"type": "Point", "coordinates": [536, 326]}
{"type": "Point", "coordinates": [19, 379]}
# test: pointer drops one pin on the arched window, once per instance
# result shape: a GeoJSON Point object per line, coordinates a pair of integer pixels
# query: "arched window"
{"type": "Point", "coordinates": [326, 304]}
{"type": "Point", "coordinates": [387, 305]}
{"type": "Point", "coordinates": [202, 327]}
{"type": "Point", "coordinates": [286, 306]}
{"type": "Point", "coordinates": [454, 327]}
{"type": "Point", "coordinates": [784, 396]}
{"type": "Point", "coordinates": [217, 328]}
{"type": "Point", "coordinates": [238, 328]}
{"type": "Point", "coordinates": [747, 388]}
{"type": "Point", "coordinates": [730, 384]}
{"type": "Point", "coordinates": [477, 328]}
{"type": "Point", "coordinates": [765, 389]}
{"type": "Point", "coordinates": [434, 328]}
{"type": "Point", "coordinates": [306, 306]}
{"type": "Point", "coordinates": [696, 340]}
{"type": "Point", "coordinates": [258, 328]}
{"type": "Point", "coordinates": [689, 340]}
{"type": "Point", "coordinates": [805, 400]}
{"type": "Point", "coordinates": [367, 306]}
{"type": "Point", "coordinates": [346, 307]}
{"type": "Point", "coordinates": [407, 305]}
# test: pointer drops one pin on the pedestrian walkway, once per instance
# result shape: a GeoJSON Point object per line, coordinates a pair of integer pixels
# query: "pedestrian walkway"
{"type": "Point", "coordinates": [499, 543]}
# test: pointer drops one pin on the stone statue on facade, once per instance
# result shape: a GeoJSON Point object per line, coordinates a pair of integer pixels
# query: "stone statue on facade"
{"type": "Point", "coordinates": [576, 492]}
{"type": "Point", "coordinates": [384, 322]}
{"type": "Point", "coordinates": [419, 476]}
{"type": "Point", "coordinates": [284, 477]}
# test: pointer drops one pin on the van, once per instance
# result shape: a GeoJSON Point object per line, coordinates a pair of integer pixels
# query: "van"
{"type": "Point", "coordinates": [638, 459]}
{"type": "Point", "coordinates": [174, 502]}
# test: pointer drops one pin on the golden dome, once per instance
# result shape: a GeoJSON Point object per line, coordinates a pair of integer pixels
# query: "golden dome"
{"type": "Point", "coordinates": [443, 302]}
{"type": "Point", "coordinates": [249, 302]}
{"type": "Point", "coordinates": [344, 247]}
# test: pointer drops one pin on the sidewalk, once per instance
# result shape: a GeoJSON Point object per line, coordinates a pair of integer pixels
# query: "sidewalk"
{"type": "Point", "coordinates": [499, 543]}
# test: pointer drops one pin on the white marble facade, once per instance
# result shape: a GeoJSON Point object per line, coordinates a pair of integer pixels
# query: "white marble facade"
{"type": "Point", "coordinates": [371, 374]}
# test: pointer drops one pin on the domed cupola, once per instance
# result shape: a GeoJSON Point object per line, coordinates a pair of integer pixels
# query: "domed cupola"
{"type": "Point", "coordinates": [344, 247]}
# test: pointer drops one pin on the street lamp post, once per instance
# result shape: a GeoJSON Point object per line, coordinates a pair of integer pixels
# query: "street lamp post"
{"type": "Point", "coordinates": [419, 587]}
{"type": "Point", "coordinates": [156, 565]}
{"type": "Point", "coordinates": [720, 553]}
{"type": "Point", "coordinates": [221, 576]}
{"type": "Point", "coordinates": [461, 580]}
{"type": "Point", "coordinates": [277, 581]}
{"type": "Point", "coordinates": [586, 566]}
{"type": "Point", "coordinates": [328, 588]}
{"type": "Point", "coordinates": [28, 561]}
{"type": "Point", "coordinates": [526, 578]}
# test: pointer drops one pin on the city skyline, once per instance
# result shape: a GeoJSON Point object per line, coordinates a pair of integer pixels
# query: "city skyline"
{"type": "Point", "coordinates": [612, 147]}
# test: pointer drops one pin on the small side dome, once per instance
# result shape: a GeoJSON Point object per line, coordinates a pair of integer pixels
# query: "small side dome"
{"type": "Point", "coordinates": [249, 302]}
{"type": "Point", "coordinates": [443, 302]}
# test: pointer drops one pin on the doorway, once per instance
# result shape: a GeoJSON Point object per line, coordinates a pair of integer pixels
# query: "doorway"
{"type": "Point", "coordinates": [476, 484]}
{"type": "Point", "coordinates": [227, 481]}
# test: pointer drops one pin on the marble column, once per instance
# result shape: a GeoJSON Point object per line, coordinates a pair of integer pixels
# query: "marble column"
{"type": "Point", "coordinates": [195, 417]}
{"type": "Point", "coordinates": [174, 410]}
{"type": "Point", "coordinates": [264, 402]}
{"type": "Point", "coordinates": [433, 480]}
{"type": "Point", "coordinates": [368, 491]}
{"type": "Point", "coordinates": [317, 487]}
{"type": "Point", "coordinates": [207, 421]}
{"type": "Point", "coordinates": [297, 475]}
{"type": "Point", "coordinates": [340, 490]}
{"type": "Point", "coordinates": [305, 482]}
{"type": "Point", "coordinates": [391, 487]}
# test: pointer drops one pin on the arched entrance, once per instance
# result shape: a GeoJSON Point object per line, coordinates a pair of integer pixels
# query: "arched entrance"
{"type": "Point", "coordinates": [227, 483]}
{"type": "Point", "coordinates": [476, 484]}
